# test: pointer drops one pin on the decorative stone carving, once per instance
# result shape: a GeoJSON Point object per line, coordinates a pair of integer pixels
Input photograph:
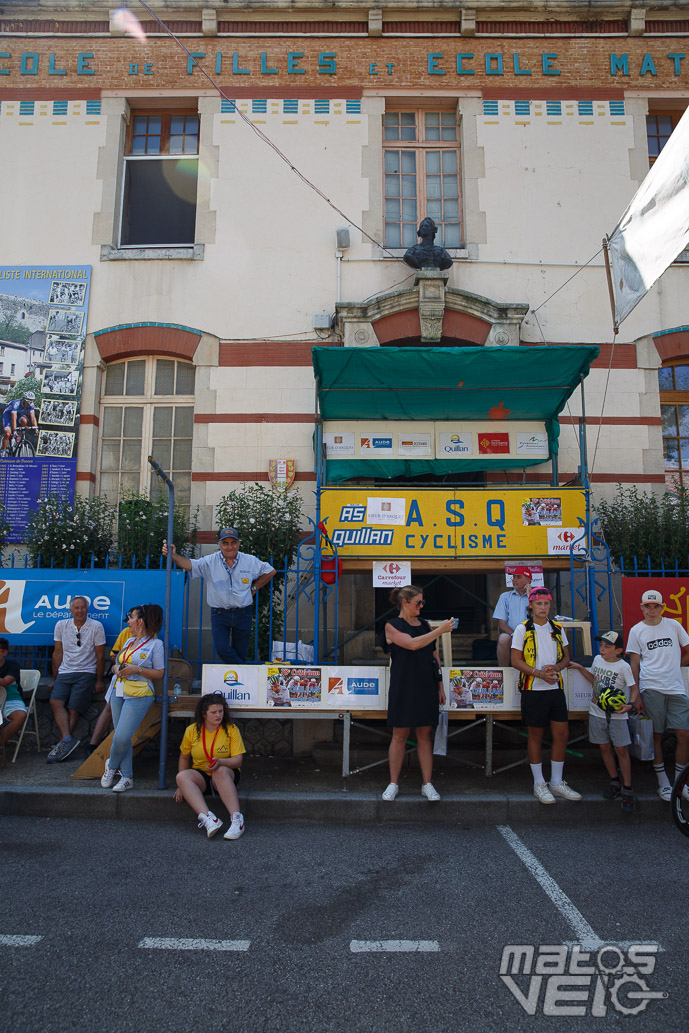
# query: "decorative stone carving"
{"type": "Point", "coordinates": [431, 284]}
{"type": "Point", "coordinates": [359, 335]}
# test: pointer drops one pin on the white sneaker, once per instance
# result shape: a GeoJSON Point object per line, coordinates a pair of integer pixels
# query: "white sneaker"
{"type": "Point", "coordinates": [108, 776]}
{"type": "Point", "coordinates": [430, 792]}
{"type": "Point", "coordinates": [391, 791]}
{"type": "Point", "coordinates": [123, 785]}
{"type": "Point", "coordinates": [236, 829]}
{"type": "Point", "coordinates": [665, 793]}
{"type": "Point", "coordinates": [542, 793]}
{"type": "Point", "coordinates": [565, 791]}
{"type": "Point", "coordinates": [210, 823]}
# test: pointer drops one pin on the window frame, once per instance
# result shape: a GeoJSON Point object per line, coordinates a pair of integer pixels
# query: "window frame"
{"type": "Point", "coordinates": [147, 401]}
{"type": "Point", "coordinates": [671, 399]}
{"type": "Point", "coordinates": [421, 146]}
{"type": "Point", "coordinates": [166, 115]}
{"type": "Point", "coordinates": [672, 113]}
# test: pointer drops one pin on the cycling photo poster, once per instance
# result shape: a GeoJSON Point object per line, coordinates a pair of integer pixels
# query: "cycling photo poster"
{"type": "Point", "coordinates": [43, 314]}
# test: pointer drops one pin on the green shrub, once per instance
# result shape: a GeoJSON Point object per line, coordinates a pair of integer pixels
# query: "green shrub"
{"type": "Point", "coordinates": [66, 534]}
{"type": "Point", "coordinates": [142, 528]}
{"type": "Point", "coordinates": [648, 526]}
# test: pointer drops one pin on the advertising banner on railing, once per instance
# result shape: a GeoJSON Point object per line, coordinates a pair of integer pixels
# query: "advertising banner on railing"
{"type": "Point", "coordinates": [43, 312]}
{"type": "Point", "coordinates": [240, 684]}
{"type": "Point", "coordinates": [32, 601]}
{"type": "Point", "coordinates": [675, 593]}
{"type": "Point", "coordinates": [462, 524]}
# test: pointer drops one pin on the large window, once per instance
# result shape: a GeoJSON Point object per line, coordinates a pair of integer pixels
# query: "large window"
{"type": "Point", "coordinates": [160, 180]}
{"type": "Point", "coordinates": [659, 127]}
{"type": "Point", "coordinates": [674, 408]}
{"type": "Point", "coordinates": [421, 158]}
{"type": "Point", "coordinates": [147, 408]}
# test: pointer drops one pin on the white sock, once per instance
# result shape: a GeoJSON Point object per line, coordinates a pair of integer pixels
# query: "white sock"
{"type": "Point", "coordinates": [537, 772]}
{"type": "Point", "coordinates": [556, 767]}
{"type": "Point", "coordinates": [661, 775]}
{"type": "Point", "coordinates": [236, 814]}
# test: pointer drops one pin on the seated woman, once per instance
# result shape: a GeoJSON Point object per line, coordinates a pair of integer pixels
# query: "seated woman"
{"type": "Point", "coordinates": [14, 708]}
{"type": "Point", "coordinates": [211, 755]}
{"type": "Point", "coordinates": [140, 662]}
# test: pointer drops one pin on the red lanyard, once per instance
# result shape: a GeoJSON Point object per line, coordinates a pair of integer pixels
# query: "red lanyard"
{"type": "Point", "coordinates": [209, 757]}
{"type": "Point", "coordinates": [126, 656]}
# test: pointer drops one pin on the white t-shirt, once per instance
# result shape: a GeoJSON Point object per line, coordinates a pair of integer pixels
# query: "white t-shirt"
{"type": "Point", "coordinates": [660, 649]}
{"type": "Point", "coordinates": [79, 659]}
{"type": "Point", "coordinates": [617, 675]}
{"type": "Point", "coordinates": [546, 650]}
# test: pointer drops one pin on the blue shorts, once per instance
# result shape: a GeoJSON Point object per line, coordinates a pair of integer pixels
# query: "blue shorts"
{"type": "Point", "coordinates": [75, 690]}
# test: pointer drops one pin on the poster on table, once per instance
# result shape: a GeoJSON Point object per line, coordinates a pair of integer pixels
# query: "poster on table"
{"type": "Point", "coordinates": [239, 684]}
{"type": "Point", "coordinates": [476, 688]}
{"type": "Point", "coordinates": [579, 690]}
{"type": "Point", "coordinates": [354, 688]}
{"type": "Point", "coordinates": [293, 687]}
{"type": "Point", "coordinates": [43, 312]}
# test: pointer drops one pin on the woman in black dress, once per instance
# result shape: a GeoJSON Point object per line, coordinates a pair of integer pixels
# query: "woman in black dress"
{"type": "Point", "coordinates": [415, 693]}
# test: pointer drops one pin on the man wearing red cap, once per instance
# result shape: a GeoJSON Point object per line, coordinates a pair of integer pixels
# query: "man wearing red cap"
{"type": "Point", "coordinates": [510, 611]}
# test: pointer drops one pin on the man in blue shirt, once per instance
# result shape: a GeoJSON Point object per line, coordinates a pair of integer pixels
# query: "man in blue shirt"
{"type": "Point", "coordinates": [232, 580]}
{"type": "Point", "coordinates": [511, 611]}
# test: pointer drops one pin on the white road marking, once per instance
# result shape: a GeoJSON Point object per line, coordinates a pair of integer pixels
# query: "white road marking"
{"type": "Point", "coordinates": [393, 946]}
{"type": "Point", "coordinates": [177, 944]}
{"type": "Point", "coordinates": [588, 939]}
{"type": "Point", "coordinates": [7, 940]}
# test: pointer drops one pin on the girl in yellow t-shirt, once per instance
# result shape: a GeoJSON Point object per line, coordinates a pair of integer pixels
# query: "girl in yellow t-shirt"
{"type": "Point", "coordinates": [211, 756]}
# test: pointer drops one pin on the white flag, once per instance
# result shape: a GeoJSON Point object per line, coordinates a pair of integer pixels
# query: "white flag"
{"type": "Point", "coordinates": [655, 227]}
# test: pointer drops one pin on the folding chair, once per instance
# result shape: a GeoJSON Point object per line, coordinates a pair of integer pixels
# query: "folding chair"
{"type": "Point", "coordinates": [3, 697]}
{"type": "Point", "coordinates": [29, 683]}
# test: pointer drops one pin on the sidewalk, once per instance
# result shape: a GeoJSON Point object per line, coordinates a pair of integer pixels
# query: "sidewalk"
{"type": "Point", "coordinates": [304, 789]}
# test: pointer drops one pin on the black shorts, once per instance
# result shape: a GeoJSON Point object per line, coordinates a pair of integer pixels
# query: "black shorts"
{"type": "Point", "coordinates": [540, 708]}
{"type": "Point", "coordinates": [209, 786]}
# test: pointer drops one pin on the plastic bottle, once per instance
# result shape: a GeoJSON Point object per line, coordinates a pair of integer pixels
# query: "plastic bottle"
{"type": "Point", "coordinates": [177, 689]}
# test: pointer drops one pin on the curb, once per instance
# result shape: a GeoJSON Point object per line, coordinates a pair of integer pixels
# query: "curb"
{"type": "Point", "coordinates": [343, 808]}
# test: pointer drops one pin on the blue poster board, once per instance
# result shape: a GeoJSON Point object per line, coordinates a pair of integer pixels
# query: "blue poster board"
{"type": "Point", "coordinates": [43, 313]}
{"type": "Point", "coordinates": [32, 601]}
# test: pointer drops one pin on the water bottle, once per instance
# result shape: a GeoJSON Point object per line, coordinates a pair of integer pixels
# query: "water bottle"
{"type": "Point", "coordinates": [177, 689]}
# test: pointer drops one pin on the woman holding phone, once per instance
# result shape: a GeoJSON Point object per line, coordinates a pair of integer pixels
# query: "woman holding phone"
{"type": "Point", "coordinates": [416, 688]}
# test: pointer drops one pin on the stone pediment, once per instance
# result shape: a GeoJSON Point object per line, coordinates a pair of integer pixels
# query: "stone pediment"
{"type": "Point", "coordinates": [430, 313]}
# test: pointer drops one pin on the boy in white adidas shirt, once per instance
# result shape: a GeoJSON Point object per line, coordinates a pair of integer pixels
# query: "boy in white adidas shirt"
{"type": "Point", "coordinates": [610, 671]}
{"type": "Point", "coordinates": [658, 646]}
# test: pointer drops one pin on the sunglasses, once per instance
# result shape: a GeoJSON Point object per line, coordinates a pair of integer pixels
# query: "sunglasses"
{"type": "Point", "coordinates": [420, 602]}
{"type": "Point", "coordinates": [78, 639]}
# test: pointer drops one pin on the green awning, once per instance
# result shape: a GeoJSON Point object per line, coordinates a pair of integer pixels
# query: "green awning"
{"type": "Point", "coordinates": [489, 383]}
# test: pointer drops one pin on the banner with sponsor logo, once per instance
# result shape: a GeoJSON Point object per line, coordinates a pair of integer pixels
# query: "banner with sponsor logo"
{"type": "Point", "coordinates": [470, 523]}
{"type": "Point", "coordinates": [239, 684]}
{"type": "Point", "coordinates": [675, 593]}
{"type": "Point", "coordinates": [32, 601]}
{"type": "Point", "coordinates": [43, 311]}
{"type": "Point", "coordinates": [468, 439]}
{"type": "Point", "coordinates": [355, 688]}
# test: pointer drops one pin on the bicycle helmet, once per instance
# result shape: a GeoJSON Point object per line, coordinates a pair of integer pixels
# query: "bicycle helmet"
{"type": "Point", "coordinates": [612, 699]}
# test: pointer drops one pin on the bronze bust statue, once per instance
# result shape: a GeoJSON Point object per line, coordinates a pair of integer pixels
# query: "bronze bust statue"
{"type": "Point", "coordinates": [426, 255]}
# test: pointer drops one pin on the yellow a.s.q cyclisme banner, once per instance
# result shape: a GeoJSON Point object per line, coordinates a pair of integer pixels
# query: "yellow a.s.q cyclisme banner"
{"type": "Point", "coordinates": [466, 524]}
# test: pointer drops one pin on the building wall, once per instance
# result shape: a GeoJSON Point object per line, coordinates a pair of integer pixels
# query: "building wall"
{"type": "Point", "coordinates": [548, 164]}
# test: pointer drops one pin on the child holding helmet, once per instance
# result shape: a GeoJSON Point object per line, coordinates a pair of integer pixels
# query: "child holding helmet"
{"type": "Point", "coordinates": [613, 686]}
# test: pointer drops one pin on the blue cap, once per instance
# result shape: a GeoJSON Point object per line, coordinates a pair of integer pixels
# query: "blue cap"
{"type": "Point", "coordinates": [228, 532]}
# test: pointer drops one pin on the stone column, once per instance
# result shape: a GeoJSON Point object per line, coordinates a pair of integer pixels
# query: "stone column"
{"type": "Point", "coordinates": [431, 284]}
